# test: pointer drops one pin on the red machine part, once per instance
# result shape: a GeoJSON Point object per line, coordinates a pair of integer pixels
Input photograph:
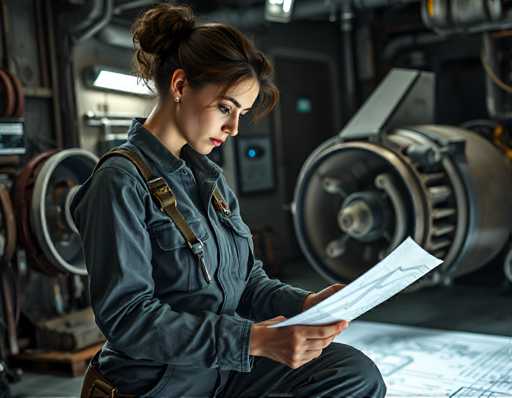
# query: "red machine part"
{"type": "Point", "coordinates": [23, 199]}
{"type": "Point", "coordinates": [7, 95]}
{"type": "Point", "coordinates": [19, 108]}
{"type": "Point", "coordinates": [12, 99]}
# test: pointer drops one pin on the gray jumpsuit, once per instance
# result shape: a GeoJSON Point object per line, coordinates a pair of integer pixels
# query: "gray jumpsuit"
{"type": "Point", "coordinates": [169, 333]}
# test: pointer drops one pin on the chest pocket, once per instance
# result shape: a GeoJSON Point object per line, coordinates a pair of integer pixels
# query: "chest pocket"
{"type": "Point", "coordinates": [242, 239]}
{"type": "Point", "coordinates": [176, 266]}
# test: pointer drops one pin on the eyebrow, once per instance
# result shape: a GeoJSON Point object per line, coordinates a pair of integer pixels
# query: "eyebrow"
{"type": "Point", "coordinates": [234, 101]}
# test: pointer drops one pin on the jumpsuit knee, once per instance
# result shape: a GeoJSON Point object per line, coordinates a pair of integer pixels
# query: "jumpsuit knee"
{"type": "Point", "coordinates": [340, 372]}
{"type": "Point", "coordinates": [344, 371]}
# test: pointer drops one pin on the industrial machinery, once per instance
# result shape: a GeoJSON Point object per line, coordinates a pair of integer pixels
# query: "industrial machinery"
{"type": "Point", "coordinates": [44, 189]}
{"type": "Point", "coordinates": [391, 174]}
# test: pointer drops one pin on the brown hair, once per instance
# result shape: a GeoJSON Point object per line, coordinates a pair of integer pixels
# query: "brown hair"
{"type": "Point", "coordinates": [166, 38]}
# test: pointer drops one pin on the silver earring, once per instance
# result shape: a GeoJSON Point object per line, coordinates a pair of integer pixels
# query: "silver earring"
{"type": "Point", "coordinates": [177, 100]}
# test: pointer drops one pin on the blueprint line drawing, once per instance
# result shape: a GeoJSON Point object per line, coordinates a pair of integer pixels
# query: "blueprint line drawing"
{"type": "Point", "coordinates": [404, 265]}
{"type": "Point", "coordinates": [350, 301]}
{"type": "Point", "coordinates": [420, 362]}
{"type": "Point", "coordinates": [465, 392]}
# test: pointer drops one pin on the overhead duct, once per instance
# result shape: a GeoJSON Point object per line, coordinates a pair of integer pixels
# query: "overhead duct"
{"type": "Point", "coordinates": [386, 177]}
{"type": "Point", "coordinates": [44, 190]}
{"type": "Point", "coordinates": [252, 17]}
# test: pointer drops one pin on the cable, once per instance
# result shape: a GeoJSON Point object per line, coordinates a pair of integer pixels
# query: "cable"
{"type": "Point", "coordinates": [479, 123]}
{"type": "Point", "coordinates": [488, 69]}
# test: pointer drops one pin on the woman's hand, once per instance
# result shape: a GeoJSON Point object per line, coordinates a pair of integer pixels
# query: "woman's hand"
{"type": "Point", "coordinates": [293, 346]}
{"type": "Point", "coordinates": [315, 298]}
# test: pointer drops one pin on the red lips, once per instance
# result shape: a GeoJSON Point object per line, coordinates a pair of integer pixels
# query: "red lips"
{"type": "Point", "coordinates": [216, 142]}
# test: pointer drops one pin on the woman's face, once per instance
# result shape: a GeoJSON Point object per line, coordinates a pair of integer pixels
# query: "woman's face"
{"type": "Point", "coordinates": [206, 118]}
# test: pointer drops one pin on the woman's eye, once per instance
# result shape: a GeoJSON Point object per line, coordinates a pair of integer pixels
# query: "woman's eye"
{"type": "Point", "coordinates": [224, 109]}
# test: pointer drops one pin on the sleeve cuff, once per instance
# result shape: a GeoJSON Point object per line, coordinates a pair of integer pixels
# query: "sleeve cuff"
{"type": "Point", "coordinates": [234, 344]}
{"type": "Point", "coordinates": [246, 360]}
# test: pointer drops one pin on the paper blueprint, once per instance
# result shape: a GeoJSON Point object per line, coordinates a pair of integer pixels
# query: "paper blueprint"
{"type": "Point", "coordinates": [418, 362]}
{"type": "Point", "coordinates": [404, 265]}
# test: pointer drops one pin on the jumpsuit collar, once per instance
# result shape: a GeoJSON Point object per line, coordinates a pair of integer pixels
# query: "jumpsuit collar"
{"type": "Point", "coordinates": [163, 159]}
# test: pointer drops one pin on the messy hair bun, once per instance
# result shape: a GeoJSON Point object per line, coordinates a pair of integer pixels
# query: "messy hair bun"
{"type": "Point", "coordinates": [157, 33]}
{"type": "Point", "coordinates": [167, 38]}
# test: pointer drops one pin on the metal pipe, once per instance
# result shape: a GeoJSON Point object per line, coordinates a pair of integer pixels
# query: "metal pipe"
{"type": "Point", "coordinates": [255, 16]}
{"type": "Point", "coordinates": [4, 32]}
{"type": "Point", "coordinates": [57, 82]}
{"type": "Point", "coordinates": [347, 48]}
{"type": "Point", "coordinates": [396, 46]}
{"type": "Point", "coordinates": [95, 25]}
{"type": "Point", "coordinates": [306, 9]}
{"type": "Point", "coordinates": [95, 13]}
{"type": "Point", "coordinates": [119, 8]}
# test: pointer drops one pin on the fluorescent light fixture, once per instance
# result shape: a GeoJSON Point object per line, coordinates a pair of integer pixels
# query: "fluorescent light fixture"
{"type": "Point", "coordinates": [278, 10]}
{"type": "Point", "coordinates": [107, 78]}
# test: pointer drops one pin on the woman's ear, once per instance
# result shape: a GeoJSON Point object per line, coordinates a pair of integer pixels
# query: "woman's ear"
{"type": "Point", "coordinates": [178, 82]}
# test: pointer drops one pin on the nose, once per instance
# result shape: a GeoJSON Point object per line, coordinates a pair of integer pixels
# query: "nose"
{"type": "Point", "coordinates": [231, 128]}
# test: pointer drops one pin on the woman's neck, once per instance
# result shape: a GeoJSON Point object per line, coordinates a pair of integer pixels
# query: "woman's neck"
{"type": "Point", "coordinates": [161, 124]}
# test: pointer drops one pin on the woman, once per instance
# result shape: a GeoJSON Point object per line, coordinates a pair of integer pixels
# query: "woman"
{"type": "Point", "coordinates": [190, 319]}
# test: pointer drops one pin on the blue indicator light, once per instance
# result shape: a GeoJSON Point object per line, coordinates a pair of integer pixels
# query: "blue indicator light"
{"type": "Point", "coordinates": [251, 153]}
{"type": "Point", "coordinates": [304, 105]}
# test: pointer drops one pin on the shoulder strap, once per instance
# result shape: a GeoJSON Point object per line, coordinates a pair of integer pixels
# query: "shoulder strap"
{"type": "Point", "coordinates": [143, 169]}
{"type": "Point", "coordinates": [166, 199]}
{"type": "Point", "coordinates": [219, 203]}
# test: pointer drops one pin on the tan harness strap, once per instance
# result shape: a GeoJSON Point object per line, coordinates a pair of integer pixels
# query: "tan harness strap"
{"type": "Point", "coordinates": [166, 200]}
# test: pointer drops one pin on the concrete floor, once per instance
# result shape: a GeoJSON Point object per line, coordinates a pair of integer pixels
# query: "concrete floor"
{"type": "Point", "coordinates": [466, 307]}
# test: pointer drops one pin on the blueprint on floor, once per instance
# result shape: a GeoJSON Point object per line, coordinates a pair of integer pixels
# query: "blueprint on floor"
{"type": "Point", "coordinates": [418, 362]}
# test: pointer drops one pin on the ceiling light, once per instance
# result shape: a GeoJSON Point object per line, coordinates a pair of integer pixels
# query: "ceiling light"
{"type": "Point", "coordinates": [278, 10]}
{"type": "Point", "coordinates": [107, 78]}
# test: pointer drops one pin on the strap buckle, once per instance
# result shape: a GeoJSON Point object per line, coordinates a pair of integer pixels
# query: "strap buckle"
{"type": "Point", "coordinates": [162, 192]}
{"type": "Point", "coordinates": [198, 250]}
{"type": "Point", "coordinates": [224, 208]}
{"type": "Point", "coordinates": [105, 388]}
{"type": "Point", "coordinates": [220, 204]}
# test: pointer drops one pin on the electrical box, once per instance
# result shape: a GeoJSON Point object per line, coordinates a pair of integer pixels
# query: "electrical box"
{"type": "Point", "coordinates": [255, 164]}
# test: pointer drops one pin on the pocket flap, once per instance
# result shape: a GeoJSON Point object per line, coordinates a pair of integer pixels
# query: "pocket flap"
{"type": "Point", "coordinates": [169, 237]}
{"type": "Point", "coordinates": [238, 226]}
